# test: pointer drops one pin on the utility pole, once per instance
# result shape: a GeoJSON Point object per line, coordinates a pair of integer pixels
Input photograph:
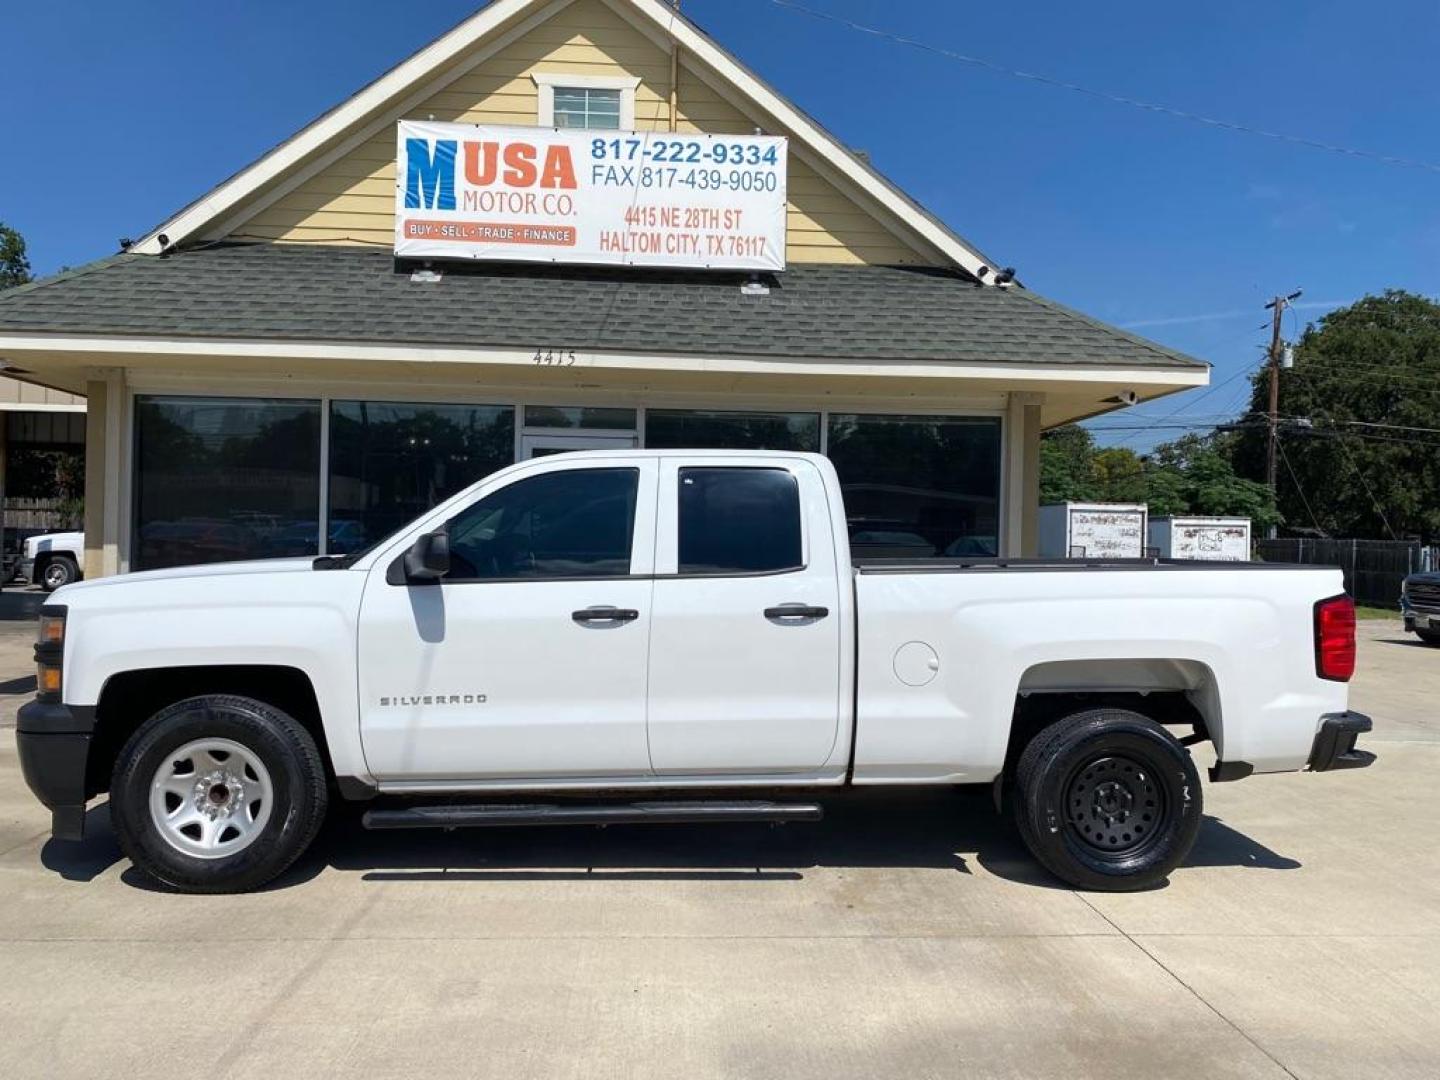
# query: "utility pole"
{"type": "Point", "coordinates": [1277, 308]}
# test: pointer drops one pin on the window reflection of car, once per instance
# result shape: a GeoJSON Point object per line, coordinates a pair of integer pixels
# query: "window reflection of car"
{"type": "Point", "coordinates": [966, 547]}
{"type": "Point", "coordinates": [346, 536]}
{"type": "Point", "coordinates": [263, 525]}
{"type": "Point", "coordinates": [868, 543]}
{"type": "Point", "coordinates": [303, 538]}
{"type": "Point", "coordinates": [194, 540]}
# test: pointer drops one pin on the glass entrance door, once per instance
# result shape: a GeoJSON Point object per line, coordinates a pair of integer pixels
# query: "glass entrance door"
{"type": "Point", "coordinates": [533, 446]}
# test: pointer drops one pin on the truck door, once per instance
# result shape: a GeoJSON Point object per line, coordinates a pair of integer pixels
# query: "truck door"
{"type": "Point", "coordinates": [528, 659]}
{"type": "Point", "coordinates": [745, 640]}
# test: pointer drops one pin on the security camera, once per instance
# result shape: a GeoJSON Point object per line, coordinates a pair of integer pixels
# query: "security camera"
{"type": "Point", "coordinates": [1124, 397]}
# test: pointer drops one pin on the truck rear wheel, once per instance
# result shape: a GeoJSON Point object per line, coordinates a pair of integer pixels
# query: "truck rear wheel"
{"type": "Point", "coordinates": [217, 794]}
{"type": "Point", "coordinates": [1107, 800]}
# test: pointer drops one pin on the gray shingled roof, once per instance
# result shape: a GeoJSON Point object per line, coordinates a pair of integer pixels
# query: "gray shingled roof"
{"type": "Point", "coordinates": [292, 292]}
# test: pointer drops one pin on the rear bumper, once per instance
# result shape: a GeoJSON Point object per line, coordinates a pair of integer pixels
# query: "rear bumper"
{"type": "Point", "coordinates": [1334, 746]}
{"type": "Point", "coordinates": [54, 746]}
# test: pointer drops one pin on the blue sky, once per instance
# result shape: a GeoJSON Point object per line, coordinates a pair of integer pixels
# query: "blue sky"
{"type": "Point", "coordinates": [119, 113]}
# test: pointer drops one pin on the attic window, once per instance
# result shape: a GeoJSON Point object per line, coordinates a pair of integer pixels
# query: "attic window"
{"type": "Point", "coordinates": [600, 103]}
{"type": "Point", "coordinates": [577, 107]}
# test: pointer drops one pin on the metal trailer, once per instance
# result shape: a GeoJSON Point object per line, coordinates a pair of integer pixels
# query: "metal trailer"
{"type": "Point", "coordinates": [1222, 539]}
{"type": "Point", "coordinates": [1078, 530]}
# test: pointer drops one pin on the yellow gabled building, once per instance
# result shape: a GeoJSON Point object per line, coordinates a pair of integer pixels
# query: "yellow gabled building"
{"type": "Point", "coordinates": [265, 361]}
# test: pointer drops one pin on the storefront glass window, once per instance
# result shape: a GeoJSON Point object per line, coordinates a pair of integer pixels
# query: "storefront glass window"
{"type": "Point", "coordinates": [674, 429]}
{"type": "Point", "coordinates": [919, 487]}
{"type": "Point", "coordinates": [390, 462]}
{"type": "Point", "coordinates": [579, 416]}
{"type": "Point", "coordinates": [218, 479]}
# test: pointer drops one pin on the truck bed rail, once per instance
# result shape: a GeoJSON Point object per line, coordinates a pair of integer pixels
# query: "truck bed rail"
{"type": "Point", "coordinates": [950, 566]}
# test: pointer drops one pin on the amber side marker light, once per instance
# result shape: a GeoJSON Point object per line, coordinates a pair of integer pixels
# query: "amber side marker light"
{"type": "Point", "coordinates": [49, 652]}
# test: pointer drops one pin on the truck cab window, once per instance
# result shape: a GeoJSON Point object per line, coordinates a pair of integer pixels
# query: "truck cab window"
{"type": "Point", "coordinates": [577, 523]}
{"type": "Point", "coordinates": [739, 521]}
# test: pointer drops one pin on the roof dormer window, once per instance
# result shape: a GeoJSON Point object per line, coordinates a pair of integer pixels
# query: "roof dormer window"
{"type": "Point", "coordinates": [600, 103]}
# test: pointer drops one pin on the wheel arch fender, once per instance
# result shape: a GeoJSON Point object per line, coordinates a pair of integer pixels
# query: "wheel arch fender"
{"type": "Point", "coordinates": [129, 697]}
{"type": "Point", "coordinates": [1170, 690]}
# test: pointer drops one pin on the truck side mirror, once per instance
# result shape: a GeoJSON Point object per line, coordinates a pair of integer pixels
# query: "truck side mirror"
{"type": "Point", "coordinates": [429, 557]}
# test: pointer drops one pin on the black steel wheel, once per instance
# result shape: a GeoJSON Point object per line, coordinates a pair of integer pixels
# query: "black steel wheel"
{"type": "Point", "coordinates": [1115, 804]}
{"type": "Point", "coordinates": [1108, 800]}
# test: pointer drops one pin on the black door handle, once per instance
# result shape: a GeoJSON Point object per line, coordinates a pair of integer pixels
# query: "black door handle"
{"type": "Point", "coordinates": [796, 612]}
{"type": "Point", "coordinates": [605, 614]}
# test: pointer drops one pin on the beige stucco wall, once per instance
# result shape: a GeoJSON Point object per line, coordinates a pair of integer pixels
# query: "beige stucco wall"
{"type": "Point", "coordinates": [105, 462]}
{"type": "Point", "coordinates": [95, 466]}
{"type": "Point", "coordinates": [351, 201]}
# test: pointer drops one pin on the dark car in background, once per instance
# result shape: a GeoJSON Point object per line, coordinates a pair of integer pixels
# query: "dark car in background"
{"type": "Point", "coordinates": [1420, 605]}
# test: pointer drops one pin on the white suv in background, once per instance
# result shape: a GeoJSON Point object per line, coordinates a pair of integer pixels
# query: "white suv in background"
{"type": "Point", "coordinates": [53, 559]}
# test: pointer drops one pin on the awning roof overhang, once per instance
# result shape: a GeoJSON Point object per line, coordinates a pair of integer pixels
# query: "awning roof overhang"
{"type": "Point", "coordinates": [1068, 392]}
{"type": "Point", "coordinates": [284, 312]}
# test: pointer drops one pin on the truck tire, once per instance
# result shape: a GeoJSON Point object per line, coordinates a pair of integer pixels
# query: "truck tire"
{"type": "Point", "coordinates": [1429, 637]}
{"type": "Point", "coordinates": [59, 570]}
{"type": "Point", "coordinates": [217, 794]}
{"type": "Point", "coordinates": [1107, 800]}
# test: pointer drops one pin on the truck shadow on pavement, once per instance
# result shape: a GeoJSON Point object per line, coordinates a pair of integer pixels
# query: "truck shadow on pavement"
{"type": "Point", "coordinates": [1414, 643]}
{"type": "Point", "coordinates": [922, 829]}
{"type": "Point", "coordinates": [939, 830]}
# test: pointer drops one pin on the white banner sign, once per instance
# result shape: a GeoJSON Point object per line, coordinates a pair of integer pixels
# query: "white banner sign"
{"type": "Point", "coordinates": [517, 194]}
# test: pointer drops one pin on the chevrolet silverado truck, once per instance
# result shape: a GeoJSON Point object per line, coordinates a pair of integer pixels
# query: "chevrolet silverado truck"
{"type": "Point", "coordinates": [666, 636]}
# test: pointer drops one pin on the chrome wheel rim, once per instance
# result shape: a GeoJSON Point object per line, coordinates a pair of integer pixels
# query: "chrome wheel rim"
{"type": "Point", "coordinates": [56, 575]}
{"type": "Point", "coordinates": [211, 798]}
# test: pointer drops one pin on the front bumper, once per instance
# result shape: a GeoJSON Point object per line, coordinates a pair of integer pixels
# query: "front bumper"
{"type": "Point", "coordinates": [54, 745]}
{"type": "Point", "coordinates": [1334, 746]}
{"type": "Point", "coordinates": [1419, 619]}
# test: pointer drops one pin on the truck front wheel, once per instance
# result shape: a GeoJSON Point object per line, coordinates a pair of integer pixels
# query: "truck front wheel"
{"type": "Point", "coordinates": [1107, 800]}
{"type": "Point", "coordinates": [61, 570]}
{"type": "Point", "coordinates": [217, 794]}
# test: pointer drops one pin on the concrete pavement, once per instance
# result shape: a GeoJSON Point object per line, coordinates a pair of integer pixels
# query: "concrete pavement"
{"type": "Point", "coordinates": [906, 935]}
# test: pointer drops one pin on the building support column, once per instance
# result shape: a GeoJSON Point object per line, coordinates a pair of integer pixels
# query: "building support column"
{"type": "Point", "coordinates": [104, 460]}
{"type": "Point", "coordinates": [1022, 473]}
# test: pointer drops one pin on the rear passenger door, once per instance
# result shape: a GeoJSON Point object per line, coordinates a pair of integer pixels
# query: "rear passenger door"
{"type": "Point", "coordinates": [745, 638]}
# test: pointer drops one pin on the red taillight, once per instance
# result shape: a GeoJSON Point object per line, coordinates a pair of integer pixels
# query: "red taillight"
{"type": "Point", "coordinates": [1335, 638]}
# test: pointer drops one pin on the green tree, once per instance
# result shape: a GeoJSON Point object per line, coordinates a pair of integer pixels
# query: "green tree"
{"type": "Point", "coordinates": [14, 265]}
{"type": "Point", "coordinates": [1067, 465]}
{"type": "Point", "coordinates": [1361, 452]}
{"type": "Point", "coordinates": [1192, 475]}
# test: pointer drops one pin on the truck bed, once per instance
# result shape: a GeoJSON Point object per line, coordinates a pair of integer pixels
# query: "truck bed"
{"type": "Point", "coordinates": [946, 648]}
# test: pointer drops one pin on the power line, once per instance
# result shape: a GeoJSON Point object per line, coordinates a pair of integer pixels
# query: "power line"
{"type": "Point", "coordinates": [1376, 502]}
{"type": "Point", "coordinates": [1392, 427]}
{"type": "Point", "coordinates": [1189, 404]}
{"type": "Point", "coordinates": [1300, 490]}
{"type": "Point", "coordinates": [1105, 95]}
{"type": "Point", "coordinates": [1400, 382]}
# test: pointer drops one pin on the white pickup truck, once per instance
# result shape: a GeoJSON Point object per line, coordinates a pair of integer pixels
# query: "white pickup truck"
{"type": "Point", "coordinates": [663, 636]}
